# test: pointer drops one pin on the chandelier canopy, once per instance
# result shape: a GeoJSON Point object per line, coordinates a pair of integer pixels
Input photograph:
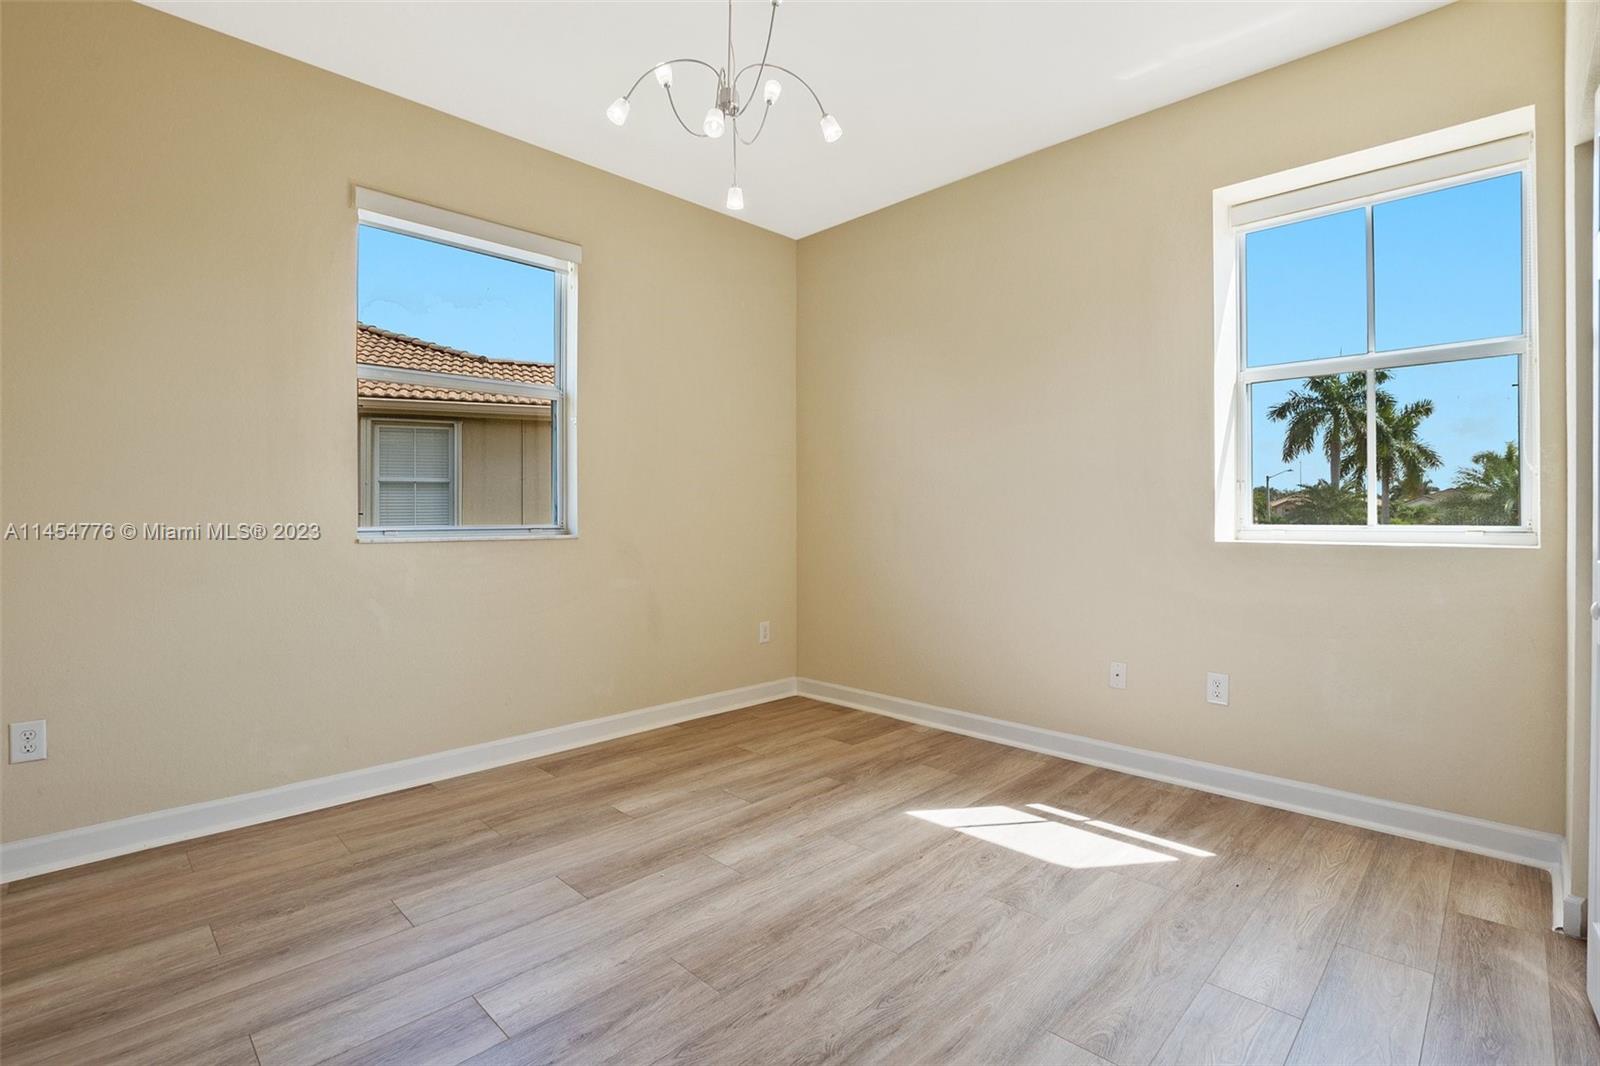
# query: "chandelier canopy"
{"type": "Point", "coordinates": [731, 102]}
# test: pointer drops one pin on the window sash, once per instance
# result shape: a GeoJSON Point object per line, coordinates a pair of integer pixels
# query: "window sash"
{"type": "Point", "coordinates": [1347, 364]}
{"type": "Point", "coordinates": [410, 218]}
{"type": "Point", "coordinates": [1371, 361]}
{"type": "Point", "coordinates": [1387, 183]}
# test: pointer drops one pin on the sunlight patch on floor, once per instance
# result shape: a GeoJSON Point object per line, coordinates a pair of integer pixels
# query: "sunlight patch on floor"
{"type": "Point", "coordinates": [1058, 812]}
{"type": "Point", "coordinates": [1148, 839]}
{"type": "Point", "coordinates": [1054, 841]}
{"type": "Point", "coordinates": [1172, 845]}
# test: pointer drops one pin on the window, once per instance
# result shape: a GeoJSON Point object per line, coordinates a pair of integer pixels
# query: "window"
{"type": "Point", "coordinates": [466, 385]}
{"type": "Point", "coordinates": [1376, 365]}
{"type": "Point", "coordinates": [414, 473]}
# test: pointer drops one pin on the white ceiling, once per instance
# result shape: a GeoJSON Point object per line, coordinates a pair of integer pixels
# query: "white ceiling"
{"type": "Point", "coordinates": [927, 92]}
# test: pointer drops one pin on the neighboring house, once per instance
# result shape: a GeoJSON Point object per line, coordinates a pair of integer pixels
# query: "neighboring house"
{"type": "Point", "coordinates": [448, 437]}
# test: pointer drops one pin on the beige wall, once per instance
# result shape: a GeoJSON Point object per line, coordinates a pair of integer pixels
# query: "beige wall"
{"type": "Point", "coordinates": [178, 250]}
{"type": "Point", "coordinates": [1005, 456]}
{"type": "Point", "coordinates": [1003, 424]}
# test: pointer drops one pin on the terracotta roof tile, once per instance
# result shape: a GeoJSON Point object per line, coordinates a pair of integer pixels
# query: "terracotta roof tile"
{"type": "Point", "coordinates": [380, 347]}
{"type": "Point", "coordinates": [389, 390]}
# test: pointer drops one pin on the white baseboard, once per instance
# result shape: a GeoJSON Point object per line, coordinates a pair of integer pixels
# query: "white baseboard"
{"type": "Point", "coordinates": [1527, 846]}
{"type": "Point", "coordinates": [73, 847]}
{"type": "Point", "coordinates": [1572, 916]}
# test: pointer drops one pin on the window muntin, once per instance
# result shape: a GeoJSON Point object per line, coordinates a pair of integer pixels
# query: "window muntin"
{"type": "Point", "coordinates": [465, 329]}
{"type": "Point", "coordinates": [1444, 278]}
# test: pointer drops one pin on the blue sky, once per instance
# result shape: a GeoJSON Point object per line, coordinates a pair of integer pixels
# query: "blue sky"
{"type": "Point", "coordinates": [467, 300]}
{"type": "Point", "coordinates": [1447, 267]}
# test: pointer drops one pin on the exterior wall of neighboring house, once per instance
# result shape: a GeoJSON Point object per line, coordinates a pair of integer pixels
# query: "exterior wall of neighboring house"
{"type": "Point", "coordinates": [502, 473]}
{"type": "Point", "coordinates": [505, 471]}
{"type": "Point", "coordinates": [503, 468]}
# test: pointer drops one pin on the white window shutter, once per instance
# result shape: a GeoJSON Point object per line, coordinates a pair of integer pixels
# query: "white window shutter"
{"type": "Point", "coordinates": [433, 504]}
{"type": "Point", "coordinates": [433, 448]}
{"type": "Point", "coordinates": [415, 482]}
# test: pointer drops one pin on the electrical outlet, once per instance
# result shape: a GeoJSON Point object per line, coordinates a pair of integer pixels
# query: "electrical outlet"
{"type": "Point", "coordinates": [1119, 675]}
{"type": "Point", "coordinates": [764, 633]}
{"type": "Point", "coordinates": [27, 741]}
{"type": "Point", "coordinates": [1217, 689]}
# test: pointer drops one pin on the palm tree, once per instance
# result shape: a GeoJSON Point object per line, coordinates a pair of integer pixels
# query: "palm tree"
{"type": "Point", "coordinates": [1332, 407]}
{"type": "Point", "coordinates": [1323, 504]}
{"type": "Point", "coordinates": [1489, 493]}
{"type": "Point", "coordinates": [1401, 455]}
{"type": "Point", "coordinates": [1335, 408]}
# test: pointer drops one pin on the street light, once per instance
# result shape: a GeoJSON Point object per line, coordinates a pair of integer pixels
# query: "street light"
{"type": "Point", "coordinates": [1268, 481]}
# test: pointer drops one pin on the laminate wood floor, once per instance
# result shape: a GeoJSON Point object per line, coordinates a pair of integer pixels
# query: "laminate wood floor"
{"type": "Point", "coordinates": [794, 882]}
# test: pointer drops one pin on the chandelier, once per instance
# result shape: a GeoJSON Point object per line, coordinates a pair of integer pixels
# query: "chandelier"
{"type": "Point", "coordinates": [730, 104]}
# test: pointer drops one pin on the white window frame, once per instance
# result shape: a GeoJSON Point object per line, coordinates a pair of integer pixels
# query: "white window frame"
{"type": "Point", "coordinates": [414, 219]}
{"type": "Point", "coordinates": [1486, 148]}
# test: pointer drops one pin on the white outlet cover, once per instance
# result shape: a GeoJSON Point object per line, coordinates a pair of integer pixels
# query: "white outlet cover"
{"type": "Point", "coordinates": [1119, 675]}
{"type": "Point", "coordinates": [1217, 689]}
{"type": "Point", "coordinates": [764, 633]}
{"type": "Point", "coordinates": [28, 741]}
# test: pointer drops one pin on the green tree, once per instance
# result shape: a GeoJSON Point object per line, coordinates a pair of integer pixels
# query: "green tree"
{"type": "Point", "coordinates": [1402, 455]}
{"type": "Point", "coordinates": [1323, 504]}
{"type": "Point", "coordinates": [1488, 493]}
{"type": "Point", "coordinates": [1333, 408]}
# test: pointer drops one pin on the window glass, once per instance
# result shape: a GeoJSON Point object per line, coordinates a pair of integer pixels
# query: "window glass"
{"type": "Point", "coordinates": [1434, 366]}
{"type": "Point", "coordinates": [1447, 264]}
{"type": "Point", "coordinates": [1306, 290]}
{"type": "Point", "coordinates": [1308, 451]}
{"type": "Point", "coordinates": [456, 368]}
{"type": "Point", "coordinates": [490, 448]}
{"type": "Point", "coordinates": [1449, 442]}
{"type": "Point", "coordinates": [493, 307]}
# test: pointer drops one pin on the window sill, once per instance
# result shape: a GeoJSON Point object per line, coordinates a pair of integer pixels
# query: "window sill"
{"type": "Point", "coordinates": [406, 536]}
{"type": "Point", "coordinates": [1393, 537]}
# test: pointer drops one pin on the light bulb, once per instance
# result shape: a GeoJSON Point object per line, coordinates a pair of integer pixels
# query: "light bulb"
{"type": "Point", "coordinates": [735, 198]}
{"type": "Point", "coordinates": [664, 75]}
{"type": "Point", "coordinates": [618, 111]}
{"type": "Point", "coordinates": [714, 122]}
{"type": "Point", "coordinates": [830, 129]}
{"type": "Point", "coordinates": [772, 90]}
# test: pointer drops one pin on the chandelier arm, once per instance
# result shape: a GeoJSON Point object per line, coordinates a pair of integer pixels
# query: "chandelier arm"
{"type": "Point", "coordinates": [792, 74]}
{"type": "Point", "coordinates": [764, 113]}
{"type": "Point", "coordinates": [668, 62]}
{"type": "Point", "coordinates": [674, 105]}
{"type": "Point", "coordinates": [766, 49]}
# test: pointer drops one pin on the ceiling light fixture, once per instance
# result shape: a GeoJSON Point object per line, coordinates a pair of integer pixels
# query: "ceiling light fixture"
{"type": "Point", "coordinates": [726, 111]}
